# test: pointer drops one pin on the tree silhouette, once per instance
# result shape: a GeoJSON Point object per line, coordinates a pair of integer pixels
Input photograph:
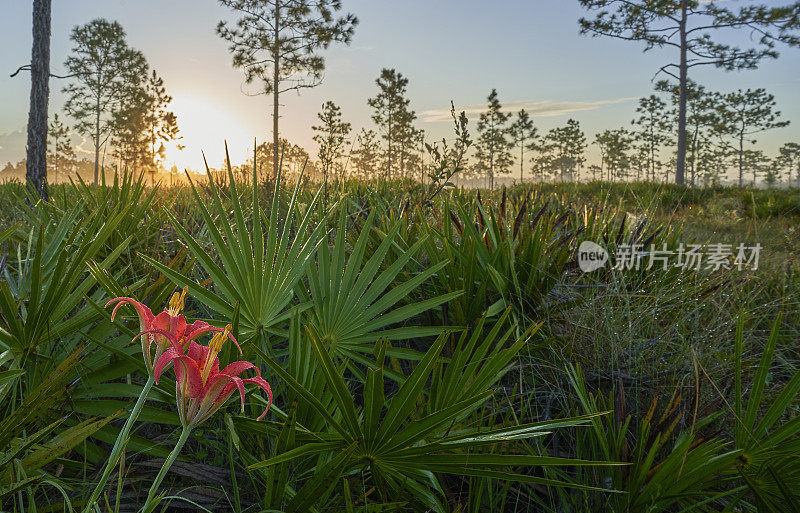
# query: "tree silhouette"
{"type": "Point", "coordinates": [142, 125]}
{"type": "Point", "coordinates": [162, 124]}
{"type": "Point", "coordinates": [756, 162]}
{"type": "Point", "coordinates": [789, 158]}
{"type": "Point", "coordinates": [277, 43]}
{"type": "Point", "coordinates": [408, 142]}
{"type": "Point", "coordinates": [615, 147]}
{"type": "Point", "coordinates": [523, 134]}
{"type": "Point", "coordinates": [493, 148]}
{"type": "Point", "coordinates": [654, 129]}
{"type": "Point", "coordinates": [563, 150]}
{"type": "Point", "coordinates": [366, 154]}
{"type": "Point", "coordinates": [742, 115]}
{"type": "Point", "coordinates": [61, 156]}
{"type": "Point", "coordinates": [700, 32]}
{"type": "Point", "coordinates": [330, 135]}
{"type": "Point", "coordinates": [105, 70]}
{"type": "Point", "coordinates": [391, 113]}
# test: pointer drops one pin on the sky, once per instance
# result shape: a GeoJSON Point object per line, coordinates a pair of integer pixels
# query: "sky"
{"type": "Point", "coordinates": [529, 50]}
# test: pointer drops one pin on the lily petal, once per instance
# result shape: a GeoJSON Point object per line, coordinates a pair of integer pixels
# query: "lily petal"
{"type": "Point", "coordinates": [265, 386]}
{"type": "Point", "coordinates": [187, 375]}
{"type": "Point", "coordinates": [236, 368]}
{"type": "Point", "coordinates": [164, 360]}
{"type": "Point", "coordinates": [144, 313]}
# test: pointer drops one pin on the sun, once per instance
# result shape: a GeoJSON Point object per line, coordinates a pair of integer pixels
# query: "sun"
{"type": "Point", "coordinates": [204, 128]}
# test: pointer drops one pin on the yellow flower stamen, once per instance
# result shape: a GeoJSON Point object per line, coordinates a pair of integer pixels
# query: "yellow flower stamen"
{"type": "Point", "coordinates": [176, 302]}
{"type": "Point", "coordinates": [214, 347]}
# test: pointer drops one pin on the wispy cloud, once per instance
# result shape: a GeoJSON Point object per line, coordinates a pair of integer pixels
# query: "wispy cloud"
{"type": "Point", "coordinates": [543, 108]}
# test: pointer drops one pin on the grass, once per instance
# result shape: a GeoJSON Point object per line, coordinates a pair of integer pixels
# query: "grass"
{"type": "Point", "coordinates": [412, 347]}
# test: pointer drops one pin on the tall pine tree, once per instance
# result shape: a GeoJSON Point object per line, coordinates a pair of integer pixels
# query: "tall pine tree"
{"type": "Point", "coordinates": [391, 114]}
{"type": "Point", "coordinates": [105, 71]}
{"type": "Point", "coordinates": [61, 154]}
{"type": "Point", "coordinates": [742, 115]}
{"type": "Point", "coordinates": [278, 43]}
{"type": "Point", "coordinates": [493, 147]}
{"type": "Point", "coordinates": [331, 135]}
{"type": "Point", "coordinates": [523, 135]}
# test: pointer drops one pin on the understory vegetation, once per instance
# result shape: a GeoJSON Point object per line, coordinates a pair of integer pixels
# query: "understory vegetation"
{"type": "Point", "coordinates": [427, 351]}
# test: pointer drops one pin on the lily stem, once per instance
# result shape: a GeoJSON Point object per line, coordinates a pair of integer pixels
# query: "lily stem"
{"type": "Point", "coordinates": [119, 445]}
{"type": "Point", "coordinates": [151, 495]}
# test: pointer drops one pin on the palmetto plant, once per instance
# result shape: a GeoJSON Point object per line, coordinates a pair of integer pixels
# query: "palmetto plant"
{"type": "Point", "coordinates": [356, 299]}
{"type": "Point", "coordinates": [30, 438]}
{"type": "Point", "coordinates": [42, 294]}
{"type": "Point", "coordinates": [404, 441]}
{"type": "Point", "coordinates": [767, 433]}
{"type": "Point", "coordinates": [257, 260]}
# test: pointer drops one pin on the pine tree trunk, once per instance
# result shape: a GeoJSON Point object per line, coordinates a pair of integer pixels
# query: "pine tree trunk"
{"type": "Point", "coordinates": [276, 93]}
{"type": "Point", "coordinates": [684, 96]}
{"type": "Point", "coordinates": [97, 141]}
{"type": "Point", "coordinates": [741, 158]}
{"type": "Point", "coordinates": [389, 153]}
{"type": "Point", "coordinates": [36, 172]}
{"type": "Point", "coordinates": [694, 151]}
{"type": "Point", "coordinates": [55, 163]}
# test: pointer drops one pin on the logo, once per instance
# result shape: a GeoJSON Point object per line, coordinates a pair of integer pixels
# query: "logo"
{"type": "Point", "coordinates": [591, 256]}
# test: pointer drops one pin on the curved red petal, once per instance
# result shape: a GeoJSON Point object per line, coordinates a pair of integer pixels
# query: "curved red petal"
{"type": "Point", "coordinates": [196, 325]}
{"type": "Point", "coordinates": [220, 387]}
{"type": "Point", "coordinates": [192, 332]}
{"type": "Point", "coordinates": [165, 334]}
{"type": "Point", "coordinates": [164, 360]}
{"type": "Point", "coordinates": [265, 386]}
{"type": "Point", "coordinates": [144, 313]}
{"type": "Point", "coordinates": [236, 368]}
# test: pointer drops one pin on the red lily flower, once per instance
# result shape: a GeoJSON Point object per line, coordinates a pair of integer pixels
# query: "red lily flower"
{"type": "Point", "coordinates": [166, 328]}
{"type": "Point", "coordinates": [201, 388]}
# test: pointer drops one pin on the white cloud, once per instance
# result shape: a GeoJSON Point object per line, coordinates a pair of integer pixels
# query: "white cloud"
{"type": "Point", "coordinates": [542, 108]}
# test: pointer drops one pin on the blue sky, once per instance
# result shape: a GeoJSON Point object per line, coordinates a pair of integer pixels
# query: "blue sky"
{"type": "Point", "coordinates": [530, 50]}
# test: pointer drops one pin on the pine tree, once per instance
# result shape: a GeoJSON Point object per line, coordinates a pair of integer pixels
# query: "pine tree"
{"type": "Point", "coordinates": [690, 28]}
{"type": "Point", "coordinates": [524, 135]}
{"type": "Point", "coordinates": [142, 125]}
{"type": "Point", "coordinates": [391, 113]}
{"type": "Point", "coordinates": [615, 148]}
{"type": "Point", "coordinates": [712, 162]}
{"type": "Point", "coordinates": [563, 151]}
{"type": "Point", "coordinates": [789, 159]}
{"type": "Point", "coordinates": [293, 159]}
{"type": "Point", "coordinates": [330, 135]}
{"type": "Point", "coordinates": [757, 163]}
{"type": "Point", "coordinates": [162, 124]}
{"type": "Point", "coordinates": [61, 154]}
{"type": "Point", "coordinates": [277, 43]}
{"type": "Point", "coordinates": [493, 147]}
{"type": "Point", "coordinates": [654, 128]}
{"type": "Point", "coordinates": [105, 70]}
{"type": "Point", "coordinates": [407, 139]}
{"type": "Point", "coordinates": [742, 115]}
{"type": "Point", "coordinates": [701, 121]}
{"type": "Point", "coordinates": [366, 154]}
